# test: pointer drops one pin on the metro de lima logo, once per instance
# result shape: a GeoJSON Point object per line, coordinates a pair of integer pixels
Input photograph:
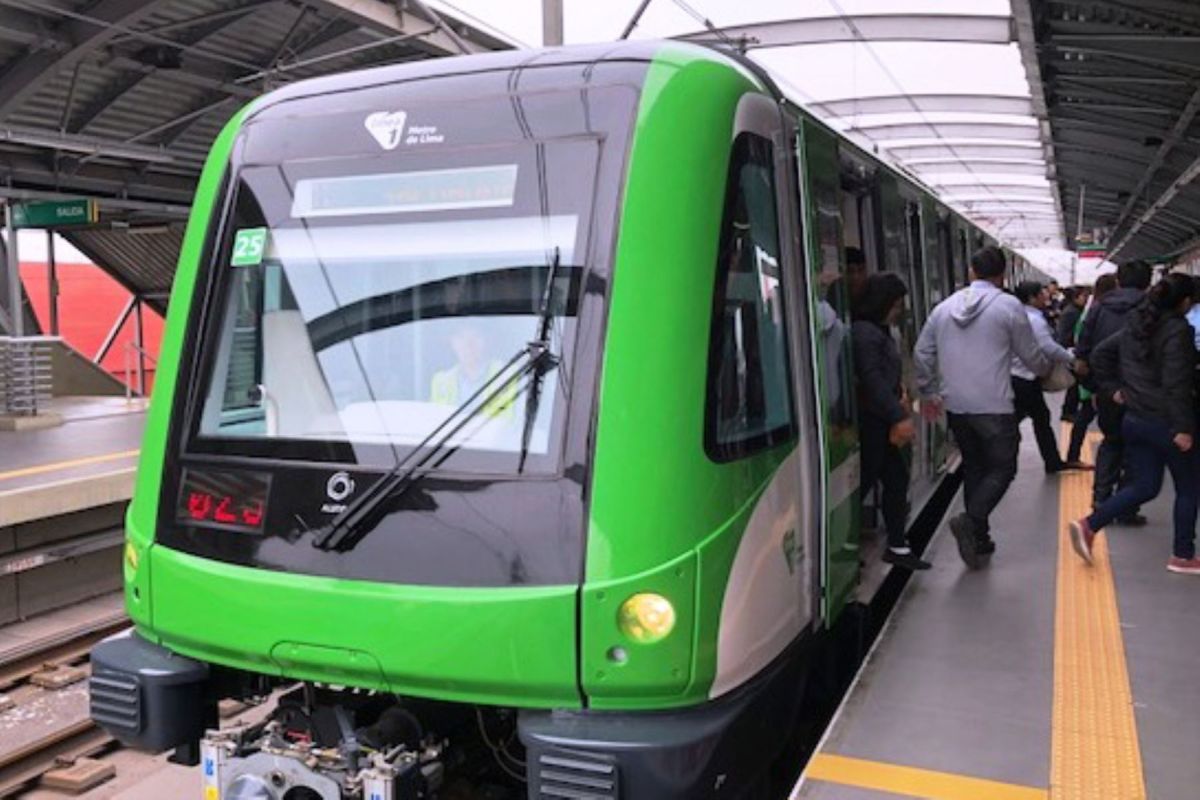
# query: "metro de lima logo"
{"type": "Point", "coordinates": [387, 127]}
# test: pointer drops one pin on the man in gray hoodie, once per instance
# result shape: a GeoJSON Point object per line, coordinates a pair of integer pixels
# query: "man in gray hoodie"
{"type": "Point", "coordinates": [963, 360]}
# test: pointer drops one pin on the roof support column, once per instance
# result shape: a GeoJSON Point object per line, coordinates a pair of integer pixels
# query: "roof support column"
{"type": "Point", "coordinates": [16, 318]}
{"type": "Point", "coordinates": [552, 23]}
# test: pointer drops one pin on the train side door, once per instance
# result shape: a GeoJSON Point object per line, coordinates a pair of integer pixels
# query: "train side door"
{"type": "Point", "coordinates": [829, 309]}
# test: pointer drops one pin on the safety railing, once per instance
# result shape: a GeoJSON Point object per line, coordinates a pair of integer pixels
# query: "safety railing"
{"type": "Point", "coordinates": [26, 376]}
{"type": "Point", "coordinates": [135, 368]}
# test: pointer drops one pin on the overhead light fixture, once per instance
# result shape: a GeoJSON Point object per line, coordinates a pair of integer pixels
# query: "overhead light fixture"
{"type": "Point", "coordinates": [89, 145]}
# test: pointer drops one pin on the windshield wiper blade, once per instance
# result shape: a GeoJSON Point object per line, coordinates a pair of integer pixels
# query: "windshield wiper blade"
{"type": "Point", "coordinates": [542, 365]}
{"type": "Point", "coordinates": [363, 513]}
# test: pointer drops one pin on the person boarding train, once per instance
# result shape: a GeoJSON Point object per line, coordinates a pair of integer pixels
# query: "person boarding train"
{"type": "Point", "coordinates": [885, 423]}
{"type": "Point", "coordinates": [963, 361]}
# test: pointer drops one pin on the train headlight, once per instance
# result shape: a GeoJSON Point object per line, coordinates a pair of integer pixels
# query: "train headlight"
{"type": "Point", "coordinates": [131, 556]}
{"type": "Point", "coordinates": [646, 617]}
{"type": "Point", "coordinates": [249, 787]}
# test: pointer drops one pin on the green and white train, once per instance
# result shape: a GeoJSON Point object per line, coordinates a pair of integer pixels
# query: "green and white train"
{"type": "Point", "coordinates": [504, 430]}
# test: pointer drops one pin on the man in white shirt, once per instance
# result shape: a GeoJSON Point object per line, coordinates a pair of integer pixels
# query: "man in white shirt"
{"type": "Point", "coordinates": [1029, 401]}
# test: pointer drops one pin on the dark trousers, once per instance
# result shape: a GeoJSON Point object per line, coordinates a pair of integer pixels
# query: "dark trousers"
{"type": "Point", "coordinates": [1070, 406]}
{"type": "Point", "coordinates": [1148, 448]}
{"type": "Point", "coordinates": [1112, 471]}
{"type": "Point", "coordinates": [1030, 402]}
{"type": "Point", "coordinates": [885, 464]}
{"type": "Point", "coordinates": [989, 444]}
{"type": "Point", "coordinates": [1079, 429]}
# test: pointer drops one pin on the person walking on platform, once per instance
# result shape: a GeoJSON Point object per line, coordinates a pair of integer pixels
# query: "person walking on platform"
{"type": "Point", "coordinates": [1068, 321]}
{"type": "Point", "coordinates": [1087, 403]}
{"type": "Point", "coordinates": [885, 424]}
{"type": "Point", "coordinates": [1103, 321]}
{"type": "Point", "coordinates": [1149, 369]}
{"type": "Point", "coordinates": [1029, 401]}
{"type": "Point", "coordinates": [963, 360]}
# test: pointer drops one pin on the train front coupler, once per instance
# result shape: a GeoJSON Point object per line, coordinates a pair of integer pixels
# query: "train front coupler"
{"type": "Point", "coordinates": [320, 745]}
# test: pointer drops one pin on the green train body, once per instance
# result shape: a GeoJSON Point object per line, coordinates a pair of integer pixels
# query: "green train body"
{"type": "Point", "coordinates": [695, 222]}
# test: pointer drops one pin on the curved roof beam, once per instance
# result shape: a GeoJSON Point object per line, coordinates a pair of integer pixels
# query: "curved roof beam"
{"type": "Point", "coordinates": [944, 131]}
{"type": "Point", "coordinates": [966, 166]}
{"type": "Point", "coordinates": [973, 28]}
{"type": "Point", "coordinates": [969, 192]}
{"type": "Point", "coordinates": [1008, 198]}
{"type": "Point", "coordinates": [903, 104]}
{"type": "Point", "coordinates": [961, 149]}
{"type": "Point", "coordinates": [106, 20]}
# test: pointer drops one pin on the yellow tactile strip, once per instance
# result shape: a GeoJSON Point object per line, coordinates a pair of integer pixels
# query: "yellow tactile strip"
{"type": "Point", "coordinates": [1094, 748]}
{"type": "Point", "coordinates": [913, 782]}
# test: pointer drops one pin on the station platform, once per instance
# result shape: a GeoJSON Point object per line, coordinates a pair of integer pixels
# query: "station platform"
{"type": "Point", "coordinates": [63, 493]}
{"type": "Point", "coordinates": [88, 460]}
{"type": "Point", "coordinates": [1036, 677]}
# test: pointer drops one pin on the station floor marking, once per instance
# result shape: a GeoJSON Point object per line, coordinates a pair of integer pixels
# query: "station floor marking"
{"type": "Point", "coordinates": [60, 465]}
{"type": "Point", "coordinates": [1094, 742]}
{"type": "Point", "coordinates": [914, 782]}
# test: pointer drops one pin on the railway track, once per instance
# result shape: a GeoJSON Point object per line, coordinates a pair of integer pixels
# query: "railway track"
{"type": "Point", "coordinates": [28, 679]}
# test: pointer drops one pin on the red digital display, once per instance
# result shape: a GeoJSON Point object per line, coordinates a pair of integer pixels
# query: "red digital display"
{"type": "Point", "coordinates": [224, 499]}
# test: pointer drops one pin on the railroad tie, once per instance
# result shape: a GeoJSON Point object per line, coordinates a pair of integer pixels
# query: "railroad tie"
{"type": "Point", "coordinates": [83, 774]}
{"type": "Point", "coordinates": [57, 676]}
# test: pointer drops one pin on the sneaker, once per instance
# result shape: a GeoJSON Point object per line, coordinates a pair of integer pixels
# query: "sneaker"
{"type": "Point", "coordinates": [1132, 520]}
{"type": "Point", "coordinates": [985, 546]}
{"type": "Point", "coordinates": [1184, 566]}
{"type": "Point", "coordinates": [968, 548]}
{"type": "Point", "coordinates": [1082, 537]}
{"type": "Point", "coordinates": [909, 560]}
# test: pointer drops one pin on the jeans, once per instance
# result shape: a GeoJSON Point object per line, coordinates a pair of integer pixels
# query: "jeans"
{"type": "Point", "coordinates": [1070, 406]}
{"type": "Point", "coordinates": [1112, 470]}
{"type": "Point", "coordinates": [883, 462]}
{"type": "Point", "coordinates": [1029, 401]}
{"type": "Point", "coordinates": [989, 445]}
{"type": "Point", "coordinates": [1148, 448]}
{"type": "Point", "coordinates": [1079, 429]}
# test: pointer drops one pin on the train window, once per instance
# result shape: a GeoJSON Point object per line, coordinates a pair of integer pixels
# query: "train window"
{"type": "Point", "coordinates": [749, 394]}
{"type": "Point", "coordinates": [364, 301]}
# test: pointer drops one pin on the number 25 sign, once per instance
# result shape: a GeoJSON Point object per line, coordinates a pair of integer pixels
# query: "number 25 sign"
{"type": "Point", "coordinates": [248, 247]}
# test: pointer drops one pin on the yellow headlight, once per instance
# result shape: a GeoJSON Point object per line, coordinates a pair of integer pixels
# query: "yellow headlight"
{"type": "Point", "coordinates": [131, 556]}
{"type": "Point", "coordinates": [646, 617]}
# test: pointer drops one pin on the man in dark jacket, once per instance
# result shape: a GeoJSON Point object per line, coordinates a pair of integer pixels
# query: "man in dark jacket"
{"type": "Point", "coordinates": [1104, 320]}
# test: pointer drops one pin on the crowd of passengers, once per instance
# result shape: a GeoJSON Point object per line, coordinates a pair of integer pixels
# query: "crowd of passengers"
{"type": "Point", "coordinates": [1125, 351]}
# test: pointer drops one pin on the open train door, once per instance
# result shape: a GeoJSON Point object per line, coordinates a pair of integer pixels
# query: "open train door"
{"type": "Point", "coordinates": [830, 308]}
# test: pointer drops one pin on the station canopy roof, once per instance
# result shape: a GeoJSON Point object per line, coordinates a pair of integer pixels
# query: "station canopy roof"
{"type": "Point", "coordinates": [1122, 84]}
{"type": "Point", "coordinates": [121, 99]}
{"type": "Point", "coordinates": [1002, 107]}
{"type": "Point", "coordinates": [948, 91]}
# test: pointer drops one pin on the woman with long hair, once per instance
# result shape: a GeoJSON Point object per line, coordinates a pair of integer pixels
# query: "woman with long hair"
{"type": "Point", "coordinates": [1149, 368]}
{"type": "Point", "coordinates": [885, 425]}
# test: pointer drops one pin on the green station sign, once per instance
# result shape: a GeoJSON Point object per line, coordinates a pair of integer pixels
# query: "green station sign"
{"type": "Point", "coordinates": [1085, 247]}
{"type": "Point", "coordinates": [55, 214]}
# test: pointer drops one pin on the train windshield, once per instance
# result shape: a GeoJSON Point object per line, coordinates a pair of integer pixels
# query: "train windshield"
{"type": "Point", "coordinates": [361, 300]}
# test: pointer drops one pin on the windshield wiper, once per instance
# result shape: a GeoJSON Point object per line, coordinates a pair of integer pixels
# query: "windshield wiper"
{"type": "Point", "coordinates": [364, 512]}
{"type": "Point", "coordinates": [543, 365]}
